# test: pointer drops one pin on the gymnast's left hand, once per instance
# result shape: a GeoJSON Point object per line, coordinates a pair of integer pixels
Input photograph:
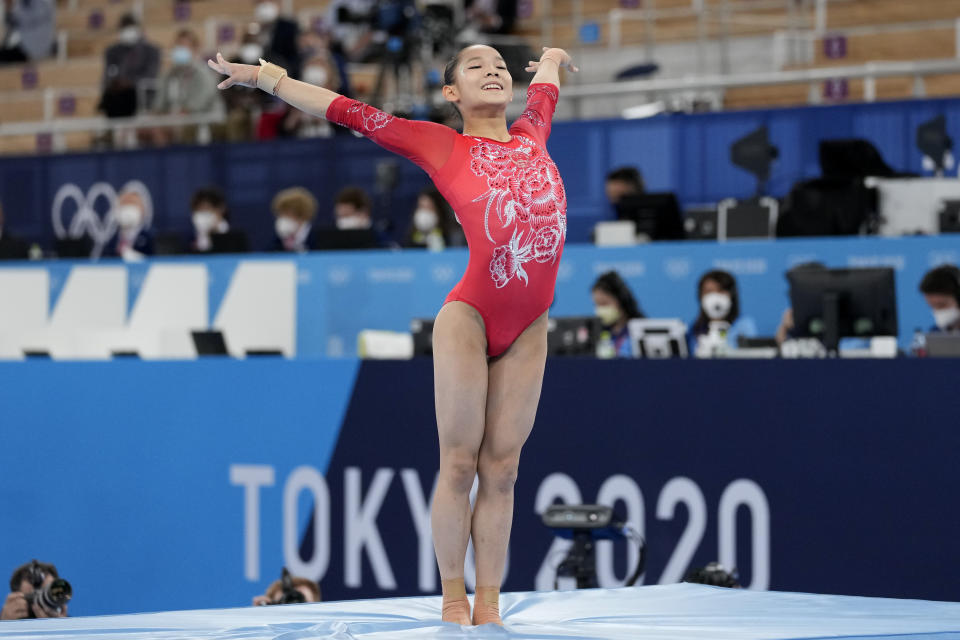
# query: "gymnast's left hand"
{"type": "Point", "coordinates": [561, 57]}
{"type": "Point", "coordinates": [244, 75]}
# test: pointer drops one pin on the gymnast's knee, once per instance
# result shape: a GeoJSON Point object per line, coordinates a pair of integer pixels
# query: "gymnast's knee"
{"type": "Point", "coordinates": [458, 468]}
{"type": "Point", "coordinates": [498, 473]}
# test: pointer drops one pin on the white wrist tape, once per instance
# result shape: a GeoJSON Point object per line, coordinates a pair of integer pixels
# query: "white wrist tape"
{"type": "Point", "coordinates": [269, 77]}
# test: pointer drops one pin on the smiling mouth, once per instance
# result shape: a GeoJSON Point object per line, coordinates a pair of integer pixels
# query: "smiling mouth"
{"type": "Point", "coordinates": [492, 86]}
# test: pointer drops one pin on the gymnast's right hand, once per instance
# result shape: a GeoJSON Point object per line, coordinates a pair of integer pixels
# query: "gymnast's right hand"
{"type": "Point", "coordinates": [243, 75]}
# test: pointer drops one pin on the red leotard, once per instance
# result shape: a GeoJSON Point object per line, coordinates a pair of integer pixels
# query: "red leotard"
{"type": "Point", "coordinates": [508, 197]}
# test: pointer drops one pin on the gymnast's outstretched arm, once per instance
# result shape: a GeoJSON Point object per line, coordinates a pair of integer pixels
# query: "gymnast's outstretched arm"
{"type": "Point", "coordinates": [306, 97]}
{"type": "Point", "coordinates": [427, 144]}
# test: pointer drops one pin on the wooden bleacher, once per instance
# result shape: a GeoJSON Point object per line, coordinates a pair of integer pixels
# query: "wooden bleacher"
{"type": "Point", "coordinates": [91, 27]}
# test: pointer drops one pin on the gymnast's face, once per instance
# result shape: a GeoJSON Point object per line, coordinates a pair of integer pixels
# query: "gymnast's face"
{"type": "Point", "coordinates": [480, 79]}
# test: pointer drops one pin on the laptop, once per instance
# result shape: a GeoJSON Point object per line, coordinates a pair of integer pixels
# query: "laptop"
{"type": "Point", "coordinates": [943, 345]}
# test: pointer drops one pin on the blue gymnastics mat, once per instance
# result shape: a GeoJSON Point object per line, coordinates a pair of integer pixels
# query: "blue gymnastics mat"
{"type": "Point", "coordinates": [671, 612]}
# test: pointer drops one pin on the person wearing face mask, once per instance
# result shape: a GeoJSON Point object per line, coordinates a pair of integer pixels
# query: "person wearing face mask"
{"type": "Point", "coordinates": [432, 225]}
{"type": "Point", "coordinates": [719, 323]}
{"type": "Point", "coordinates": [615, 306]}
{"type": "Point", "coordinates": [29, 29]}
{"type": "Point", "coordinates": [280, 120]}
{"type": "Point", "coordinates": [294, 210]}
{"type": "Point", "coordinates": [125, 63]}
{"type": "Point", "coordinates": [278, 36]}
{"type": "Point", "coordinates": [351, 209]}
{"type": "Point", "coordinates": [212, 232]}
{"type": "Point", "coordinates": [624, 181]}
{"type": "Point", "coordinates": [941, 290]}
{"type": "Point", "coordinates": [133, 240]}
{"type": "Point", "coordinates": [185, 87]}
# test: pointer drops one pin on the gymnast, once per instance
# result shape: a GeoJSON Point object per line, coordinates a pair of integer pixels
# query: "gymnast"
{"type": "Point", "coordinates": [490, 336]}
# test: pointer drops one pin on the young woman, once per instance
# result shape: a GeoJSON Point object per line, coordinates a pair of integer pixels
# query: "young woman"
{"type": "Point", "coordinates": [615, 305]}
{"type": "Point", "coordinates": [489, 339]}
{"type": "Point", "coordinates": [719, 317]}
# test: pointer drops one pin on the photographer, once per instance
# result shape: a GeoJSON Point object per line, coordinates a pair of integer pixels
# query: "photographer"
{"type": "Point", "coordinates": [36, 591]}
{"type": "Point", "coordinates": [289, 590]}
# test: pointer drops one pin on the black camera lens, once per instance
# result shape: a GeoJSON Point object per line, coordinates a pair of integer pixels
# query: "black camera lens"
{"type": "Point", "coordinates": [53, 597]}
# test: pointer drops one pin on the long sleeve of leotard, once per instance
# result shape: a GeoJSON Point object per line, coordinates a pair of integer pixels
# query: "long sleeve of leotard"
{"type": "Point", "coordinates": [427, 144]}
{"type": "Point", "coordinates": [536, 119]}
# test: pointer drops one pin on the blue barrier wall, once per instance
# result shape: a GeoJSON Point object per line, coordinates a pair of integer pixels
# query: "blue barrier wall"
{"type": "Point", "coordinates": [160, 486]}
{"type": "Point", "coordinates": [341, 293]}
{"type": "Point", "coordinates": [688, 154]}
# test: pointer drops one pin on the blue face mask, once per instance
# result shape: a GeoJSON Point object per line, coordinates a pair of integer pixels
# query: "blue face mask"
{"type": "Point", "coordinates": [180, 55]}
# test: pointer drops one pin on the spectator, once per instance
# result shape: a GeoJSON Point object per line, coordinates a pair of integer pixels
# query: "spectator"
{"type": "Point", "coordinates": [719, 323]}
{"type": "Point", "coordinates": [614, 304]}
{"type": "Point", "coordinates": [295, 209]}
{"type": "Point", "coordinates": [309, 589]}
{"type": "Point", "coordinates": [29, 30]}
{"type": "Point", "coordinates": [490, 16]}
{"type": "Point", "coordinates": [941, 289]}
{"type": "Point", "coordinates": [244, 104]}
{"type": "Point", "coordinates": [126, 63]}
{"type": "Point", "coordinates": [433, 225]}
{"type": "Point", "coordinates": [351, 209]}
{"type": "Point", "coordinates": [278, 36]}
{"type": "Point", "coordinates": [133, 241]}
{"type": "Point", "coordinates": [622, 182]}
{"type": "Point", "coordinates": [283, 121]}
{"type": "Point", "coordinates": [11, 248]}
{"type": "Point", "coordinates": [210, 225]}
{"type": "Point", "coordinates": [26, 580]}
{"type": "Point", "coordinates": [189, 86]}
{"type": "Point", "coordinates": [351, 27]}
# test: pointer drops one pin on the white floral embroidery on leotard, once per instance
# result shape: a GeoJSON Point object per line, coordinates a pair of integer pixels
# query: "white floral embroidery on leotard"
{"type": "Point", "coordinates": [525, 192]}
{"type": "Point", "coordinates": [373, 119]}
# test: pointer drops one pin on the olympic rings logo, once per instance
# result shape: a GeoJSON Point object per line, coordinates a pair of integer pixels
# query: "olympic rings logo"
{"type": "Point", "coordinates": [86, 220]}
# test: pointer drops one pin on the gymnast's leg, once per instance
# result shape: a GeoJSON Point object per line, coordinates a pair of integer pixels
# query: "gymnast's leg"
{"type": "Point", "coordinates": [513, 393]}
{"type": "Point", "coordinates": [460, 387]}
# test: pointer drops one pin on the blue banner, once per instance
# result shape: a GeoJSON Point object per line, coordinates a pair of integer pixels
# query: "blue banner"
{"type": "Point", "coordinates": [156, 486]}
{"type": "Point", "coordinates": [687, 154]}
{"type": "Point", "coordinates": [341, 293]}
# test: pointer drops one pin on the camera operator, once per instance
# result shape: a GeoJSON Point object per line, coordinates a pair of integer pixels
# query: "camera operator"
{"type": "Point", "coordinates": [289, 590]}
{"type": "Point", "coordinates": [36, 591]}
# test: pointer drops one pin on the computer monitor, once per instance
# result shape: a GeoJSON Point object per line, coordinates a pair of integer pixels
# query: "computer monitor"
{"type": "Point", "coordinates": [209, 343]}
{"type": "Point", "coordinates": [13, 249]}
{"type": "Point", "coordinates": [658, 337]}
{"type": "Point", "coordinates": [80, 247]}
{"type": "Point", "coordinates": [229, 242]}
{"type": "Point", "coordinates": [334, 239]}
{"type": "Point", "coordinates": [572, 336]}
{"type": "Point", "coordinates": [657, 215]}
{"type": "Point", "coordinates": [422, 331]}
{"type": "Point", "coordinates": [830, 304]}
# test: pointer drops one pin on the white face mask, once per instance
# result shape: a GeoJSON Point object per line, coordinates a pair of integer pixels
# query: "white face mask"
{"type": "Point", "coordinates": [251, 53]}
{"type": "Point", "coordinates": [181, 55]}
{"type": "Point", "coordinates": [716, 305]}
{"type": "Point", "coordinates": [285, 226]}
{"type": "Point", "coordinates": [608, 314]}
{"type": "Point", "coordinates": [315, 75]}
{"type": "Point", "coordinates": [128, 216]}
{"type": "Point", "coordinates": [945, 318]}
{"type": "Point", "coordinates": [129, 35]}
{"type": "Point", "coordinates": [266, 11]}
{"type": "Point", "coordinates": [352, 222]}
{"type": "Point", "coordinates": [204, 220]}
{"type": "Point", "coordinates": [425, 220]}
